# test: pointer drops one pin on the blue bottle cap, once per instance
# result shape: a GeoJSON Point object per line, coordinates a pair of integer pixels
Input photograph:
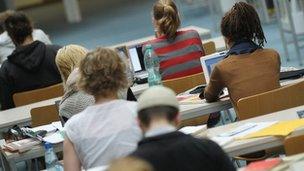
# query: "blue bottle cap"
{"type": "Point", "coordinates": [48, 145]}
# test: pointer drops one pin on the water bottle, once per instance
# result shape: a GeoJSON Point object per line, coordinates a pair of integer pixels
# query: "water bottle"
{"type": "Point", "coordinates": [51, 161]}
{"type": "Point", "coordinates": [152, 66]}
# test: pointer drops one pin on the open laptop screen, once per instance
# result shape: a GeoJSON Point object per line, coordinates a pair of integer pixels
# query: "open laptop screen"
{"type": "Point", "coordinates": [137, 58]}
{"type": "Point", "coordinates": [209, 62]}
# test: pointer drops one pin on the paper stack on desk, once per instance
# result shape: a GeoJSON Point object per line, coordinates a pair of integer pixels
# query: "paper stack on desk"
{"type": "Point", "coordinates": [194, 130]}
{"type": "Point", "coordinates": [282, 128]}
{"type": "Point", "coordinates": [241, 131]}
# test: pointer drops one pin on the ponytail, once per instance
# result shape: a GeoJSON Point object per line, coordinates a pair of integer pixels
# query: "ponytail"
{"type": "Point", "coordinates": [167, 18]}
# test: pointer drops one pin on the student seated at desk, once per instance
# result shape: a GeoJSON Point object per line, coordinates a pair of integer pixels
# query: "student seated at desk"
{"type": "Point", "coordinates": [167, 149]}
{"type": "Point", "coordinates": [248, 69]}
{"type": "Point", "coordinates": [30, 66]}
{"type": "Point", "coordinates": [108, 129]}
{"type": "Point", "coordinates": [179, 51]}
{"type": "Point", "coordinates": [6, 44]}
{"type": "Point", "coordinates": [74, 100]}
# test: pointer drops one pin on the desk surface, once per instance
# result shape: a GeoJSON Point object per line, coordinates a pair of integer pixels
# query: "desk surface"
{"type": "Point", "coordinates": [241, 147]}
{"type": "Point", "coordinates": [20, 115]}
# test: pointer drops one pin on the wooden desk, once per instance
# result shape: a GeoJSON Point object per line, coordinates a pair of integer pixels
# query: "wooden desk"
{"type": "Point", "coordinates": [21, 115]}
{"type": "Point", "coordinates": [241, 147]}
{"type": "Point", "coordinates": [204, 34]}
{"type": "Point", "coordinates": [10, 159]}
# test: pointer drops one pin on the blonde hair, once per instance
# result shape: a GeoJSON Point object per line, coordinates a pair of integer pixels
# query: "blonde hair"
{"type": "Point", "coordinates": [68, 58]}
{"type": "Point", "coordinates": [102, 72]}
{"type": "Point", "coordinates": [130, 164]}
{"type": "Point", "coordinates": [167, 19]}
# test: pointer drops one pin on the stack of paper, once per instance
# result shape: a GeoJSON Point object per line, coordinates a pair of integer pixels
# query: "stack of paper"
{"type": "Point", "coordinates": [248, 128]}
{"type": "Point", "coordinates": [193, 129]}
{"type": "Point", "coordinates": [282, 128]}
{"type": "Point", "coordinates": [189, 99]}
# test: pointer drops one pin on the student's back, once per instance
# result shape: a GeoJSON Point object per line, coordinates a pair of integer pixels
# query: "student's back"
{"type": "Point", "coordinates": [104, 132]}
{"type": "Point", "coordinates": [246, 74]}
{"type": "Point", "coordinates": [179, 51]}
{"type": "Point", "coordinates": [179, 57]}
{"type": "Point", "coordinates": [176, 151]}
{"type": "Point", "coordinates": [30, 66]}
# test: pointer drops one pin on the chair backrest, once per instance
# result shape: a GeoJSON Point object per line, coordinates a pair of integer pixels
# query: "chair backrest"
{"type": "Point", "coordinates": [294, 145]}
{"type": "Point", "coordinates": [272, 101]}
{"type": "Point", "coordinates": [209, 48]}
{"type": "Point", "coordinates": [182, 84]}
{"type": "Point", "coordinates": [44, 115]}
{"type": "Point", "coordinates": [33, 96]}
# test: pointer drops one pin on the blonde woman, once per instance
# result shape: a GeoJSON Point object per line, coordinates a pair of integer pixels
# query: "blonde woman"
{"type": "Point", "coordinates": [179, 51]}
{"type": "Point", "coordinates": [108, 129]}
{"type": "Point", "coordinates": [74, 100]}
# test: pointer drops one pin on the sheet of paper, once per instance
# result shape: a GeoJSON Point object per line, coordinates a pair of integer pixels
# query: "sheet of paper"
{"type": "Point", "coordinates": [246, 129]}
{"type": "Point", "coordinates": [282, 128]}
{"type": "Point", "coordinates": [58, 125]}
{"type": "Point", "coordinates": [48, 128]}
{"type": "Point", "coordinates": [222, 141]}
{"type": "Point", "coordinates": [54, 138]}
{"type": "Point", "coordinates": [193, 129]}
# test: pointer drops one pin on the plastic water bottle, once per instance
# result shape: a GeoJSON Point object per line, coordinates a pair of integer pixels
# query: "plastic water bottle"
{"type": "Point", "coordinates": [51, 161]}
{"type": "Point", "coordinates": [152, 66]}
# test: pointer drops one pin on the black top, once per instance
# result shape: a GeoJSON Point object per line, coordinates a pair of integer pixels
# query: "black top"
{"type": "Point", "coordinates": [180, 152]}
{"type": "Point", "coordinates": [27, 68]}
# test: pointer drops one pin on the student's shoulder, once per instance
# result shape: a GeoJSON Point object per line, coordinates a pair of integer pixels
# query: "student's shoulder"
{"type": "Point", "coordinates": [269, 51]}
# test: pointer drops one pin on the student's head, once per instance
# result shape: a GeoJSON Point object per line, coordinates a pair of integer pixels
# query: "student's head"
{"type": "Point", "coordinates": [3, 16]}
{"type": "Point", "coordinates": [68, 58]}
{"type": "Point", "coordinates": [18, 27]}
{"type": "Point", "coordinates": [156, 105]}
{"type": "Point", "coordinates": [166, 18]}
{"type": "Point", "coordinates": [130, 164]}
{"type": "Point", "coordinates": [242, 23]}
{"type": "Point", "coordinates": [102, 73]}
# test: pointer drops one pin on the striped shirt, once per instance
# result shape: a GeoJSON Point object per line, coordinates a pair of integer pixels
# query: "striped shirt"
{"type": "Point", "coordinates": [180, 57]}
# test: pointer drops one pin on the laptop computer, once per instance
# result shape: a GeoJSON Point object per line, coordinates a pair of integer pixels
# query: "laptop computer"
{"type": "Point", "coordinates": [208, 63]}
{"type": "Point", "coordinates": [137, 60]}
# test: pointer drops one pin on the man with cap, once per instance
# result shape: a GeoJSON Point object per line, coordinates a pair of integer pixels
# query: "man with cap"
{"type": "Point", "coordinates": [167, 149]}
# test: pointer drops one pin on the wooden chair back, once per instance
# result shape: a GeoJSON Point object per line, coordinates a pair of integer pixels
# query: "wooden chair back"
{"type": "Point", "coordinates": [209, 48]}
{"type": "Point", "coordinates": [183, 84]}
{"type": "Point", "coordinates": [33, 96]}
{"type": "Point", "coordinates": [294, 145]}
{"type": "Point", "coordinates": [276, 100]}
{"type": "Point", "coordinates": [44, 115]}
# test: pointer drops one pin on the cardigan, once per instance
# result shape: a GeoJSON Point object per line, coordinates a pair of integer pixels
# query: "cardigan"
{"type": "Point", "coordinates": [245, 75]}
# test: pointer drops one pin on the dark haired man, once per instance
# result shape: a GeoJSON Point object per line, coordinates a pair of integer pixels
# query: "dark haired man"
{"type": "Point", "coordinates": [30, 66]}
{"type": "Point", "coordinates": [6, 44]}
{"type": "Point", "coordinates": [167, 149]}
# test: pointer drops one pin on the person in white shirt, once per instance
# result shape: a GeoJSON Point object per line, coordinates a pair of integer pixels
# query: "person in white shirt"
{"type": "Point", "coordinates": [6, 44]}
{"type": "Point", "coordinates": [108, 129]}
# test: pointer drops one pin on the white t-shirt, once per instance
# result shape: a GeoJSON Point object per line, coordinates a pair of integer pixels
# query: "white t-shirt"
{"type": "Point", "coordinates": [7, 46]}
{"type": "Point", "coordinates": [104, 132]}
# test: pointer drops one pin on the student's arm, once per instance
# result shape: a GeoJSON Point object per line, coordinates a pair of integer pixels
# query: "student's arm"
{"type": "Point", "coordinates": [215, 86]}
{"type": "Point", "coordinates": [70, 159]}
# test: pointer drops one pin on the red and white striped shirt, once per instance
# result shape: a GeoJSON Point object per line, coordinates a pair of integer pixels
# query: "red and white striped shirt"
{"type": "Point", "coordinates": [180, 57]}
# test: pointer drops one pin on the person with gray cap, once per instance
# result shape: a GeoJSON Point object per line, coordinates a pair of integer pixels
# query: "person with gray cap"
{"type": "Point", "coordinates": [167, 149]}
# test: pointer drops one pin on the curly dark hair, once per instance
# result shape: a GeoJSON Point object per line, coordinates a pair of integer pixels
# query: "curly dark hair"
{"type": "Point", "coordinates": [18, 27]}
{"type": "Point", "coordinates": [243, 22]}
{"type": "Point", "coordinates": [102, 72]}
